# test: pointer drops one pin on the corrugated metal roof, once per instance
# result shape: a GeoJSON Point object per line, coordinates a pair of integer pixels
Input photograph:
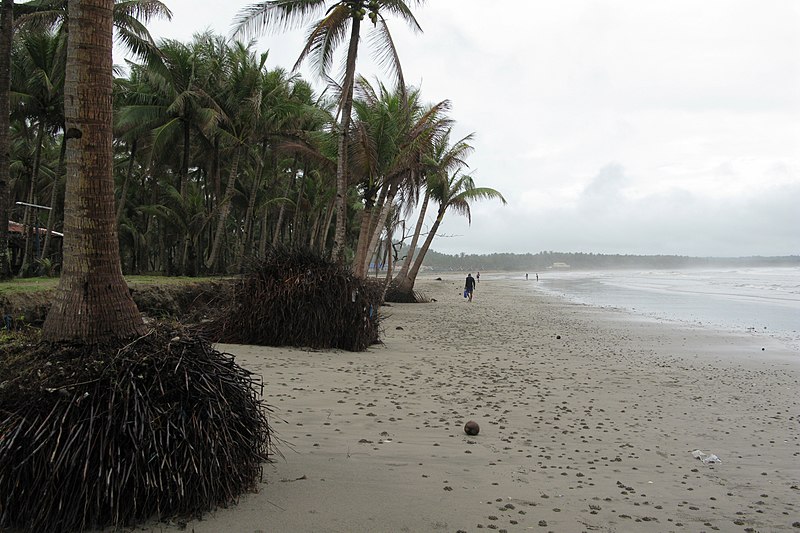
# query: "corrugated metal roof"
{"type": "Point", "coordinates": [17, 227]}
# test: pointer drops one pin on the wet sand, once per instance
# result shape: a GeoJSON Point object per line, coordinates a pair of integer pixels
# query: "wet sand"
{"type": "Point", "coordinates": [588, 420]}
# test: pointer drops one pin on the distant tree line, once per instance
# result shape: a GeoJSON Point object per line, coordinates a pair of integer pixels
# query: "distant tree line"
{"type": "Point", "coordinates": [590, 261]}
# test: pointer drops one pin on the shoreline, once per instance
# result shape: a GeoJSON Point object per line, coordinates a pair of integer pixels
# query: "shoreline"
{"type": "Point", "coordinates": [768, 307]}
{"type": "Point", "coordinates": [590, 431]}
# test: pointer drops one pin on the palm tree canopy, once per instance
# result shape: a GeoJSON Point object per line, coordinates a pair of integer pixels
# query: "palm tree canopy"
{"type": "Point", "coordinates": [166, 94]}
{"type": "Point", "coordinates": [37, 78]}
{"type": "Point", "coordinates": [392, 133]}
{"type": "Point", "coordinates": [327, 33]}
{"type": "Point", "coordinates": [130, 17]}
{"type": "Point", "coordinates": [458, 191]}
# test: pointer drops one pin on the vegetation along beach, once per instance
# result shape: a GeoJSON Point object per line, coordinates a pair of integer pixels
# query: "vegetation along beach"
{"type": "Point", "coordinates": [397, 265]}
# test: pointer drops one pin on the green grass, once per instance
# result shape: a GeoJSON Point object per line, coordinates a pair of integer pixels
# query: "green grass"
{"type": "Point", "coordinates": [23, 285]}
{"type": "Point", "coordinates": [167, 280]}
{"type": "Point", "coordinates": [15, 286]}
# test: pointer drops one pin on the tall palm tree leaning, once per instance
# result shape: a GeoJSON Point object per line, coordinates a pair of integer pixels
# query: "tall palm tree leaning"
{"type": "Point", "coordinates": [452, 192]}
{"type": "Point", "coordinates": [323, 37]}
{"type": "Point", "coordinates": [92, 303]}
{"type": "Point", "coordinates": [442, 159]}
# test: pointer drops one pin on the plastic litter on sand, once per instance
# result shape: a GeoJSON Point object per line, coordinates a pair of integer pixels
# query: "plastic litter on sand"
{"type": "Point", "coordinates": [706, 458]}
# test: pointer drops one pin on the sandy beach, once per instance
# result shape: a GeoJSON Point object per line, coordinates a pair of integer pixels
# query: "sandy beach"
{"type": "Point", "coordinates": [588, 420]}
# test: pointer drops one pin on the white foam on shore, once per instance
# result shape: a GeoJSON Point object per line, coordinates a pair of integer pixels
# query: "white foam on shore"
{"type": "Point", "coordinates": [763, 302]}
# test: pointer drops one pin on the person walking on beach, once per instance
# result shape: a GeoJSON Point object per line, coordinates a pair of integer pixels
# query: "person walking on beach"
{"type": "Point", "coordinates": [526, 277]}
{"type": "Point", "coordinates": [478, 277]}
{"type": "Point", "coordinates": [469, 286]}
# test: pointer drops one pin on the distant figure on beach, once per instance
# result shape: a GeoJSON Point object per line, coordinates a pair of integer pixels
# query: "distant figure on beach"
{"type": "Point", "coordinates": [537, 277]}
{"type": "Point", "coordinates": [469, 286]}
{"type": "Point", "coordinates": [526, 276]}
{"type": "Point", "coordinates": [478, 277]}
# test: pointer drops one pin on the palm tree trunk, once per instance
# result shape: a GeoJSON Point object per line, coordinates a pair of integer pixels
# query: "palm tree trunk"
{"type": "Point", "coordinates": [215, 170]}
{"type": "Point", "coordinates": [296, 219]}
{"type": "Point", "coordinates": [341, 163]}
{"type": "Point", "coordinates": [6, 37]}
{"type": "Point", "coordinates": [363, 235]}
{"type": "Point", "coordinates": [407, 283]}
{"type": "Point", "coordinates": [389, 265]}
{"type": "Point", "coordinates": [262, 242]}
{"type": "Point", "coordinates": [379, 224]}
{"type": "Point", "coordinates": [326, 228]}
{"type": "Point", "coordinates": [30, 212]}
{"type": "Point", "coordinates": [276, 234]}
{"type": "Point", "coordinates": [314, 228]}
{"type": "Point", "coordinates": [224, 208]}
{"type": "Point", "coordinates": [417, 231]}
{"type": "Point", "coordinates": [251, 206]}
{"type": "Point", "coordinates": [184, 183]}
{"type": "Point", "coordinates": [51, 215]}
{"type": "Point", "coordinates": [123, 196]}
{"type": "Point", "coordinates": [282, 211]}
{"type": "Point", "coordinates": [369, 219]}
{"type": "Point", "coordinates": [92, 303]}
{"type": "Point", "coordinates": [380, 258]}
{"type": "Point", "coordinates": [152, 232]}
{"type": "Point", "coordinates": [183, 240]}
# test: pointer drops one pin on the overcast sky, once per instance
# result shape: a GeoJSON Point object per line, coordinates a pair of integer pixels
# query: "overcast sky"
{"type": "Point", "coordinates": [610, 126]}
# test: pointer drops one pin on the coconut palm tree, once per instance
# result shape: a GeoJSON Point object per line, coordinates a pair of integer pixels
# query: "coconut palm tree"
{"type": "Point", "coordinates": [239, 101]}
{"type": "Point", "coordinates": [312, 117]}
{"type": "Point", "coordinates": [92, 302]}
{"type": "Point", "coordinates": [51, 16]}
{"type": "Point", "coordinates": [7, 23]}
{"type": "Point", "coordinates": [37, 92]}
{"type": "Point", "coordinates": [274, 107]}
{"type": "Point", "coordinates": [37, 16]}
{"type": "Point", "coordinates": [315, 144]}
{"type": "Point", "coordinates": [442, 159]}
{"type": "Point", "coordinates": [167, 103]}
{"type": "Point", "coordinates": [323, 38]}
{"type": "Point", "coordinates": [168, 100]}
{"type": "Point", "coordinates": [391, 131]}
{"type": "Point", "coordinates": [455, 193]}
{"type": "Point", "coordinates": [6, 37]}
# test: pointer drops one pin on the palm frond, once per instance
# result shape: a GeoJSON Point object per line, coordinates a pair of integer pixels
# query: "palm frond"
{"type": "Point", "coordinates": [324, 37]}
{"type": "Point", "coordinates": [401, 8]}
{"type": "Point", "coordinates": [275, 15]}
{"type": "Point", "coordinates": [142, 9]}
{"type": "Point", "coordinates": [384, 52]}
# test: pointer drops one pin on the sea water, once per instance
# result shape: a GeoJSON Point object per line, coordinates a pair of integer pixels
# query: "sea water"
{"type": "Point", "coordinates": [758, 300]}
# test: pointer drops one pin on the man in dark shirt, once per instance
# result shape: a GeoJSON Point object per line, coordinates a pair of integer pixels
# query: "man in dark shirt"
{"type": "Point", "coordinates": [469, 286]}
